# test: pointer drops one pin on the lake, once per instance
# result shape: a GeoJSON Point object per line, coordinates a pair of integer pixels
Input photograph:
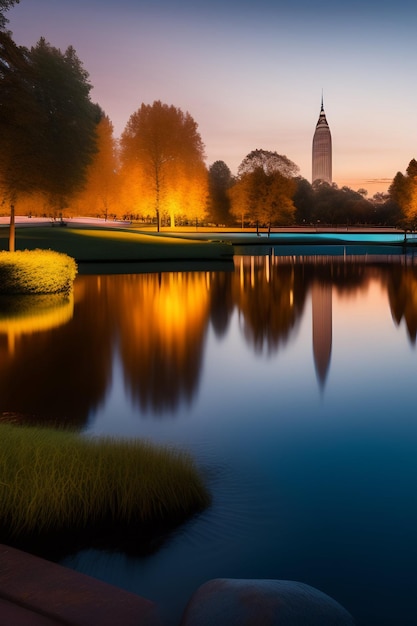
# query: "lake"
{"type": "Point", "coordinates": [291, 379]}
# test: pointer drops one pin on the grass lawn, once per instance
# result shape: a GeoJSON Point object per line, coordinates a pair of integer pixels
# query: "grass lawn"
{"type": "Point", "coordinates": [107, 244]}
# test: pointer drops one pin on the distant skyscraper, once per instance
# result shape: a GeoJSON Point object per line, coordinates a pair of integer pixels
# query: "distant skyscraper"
{"type": "Point", "coordinates": [322, 150]}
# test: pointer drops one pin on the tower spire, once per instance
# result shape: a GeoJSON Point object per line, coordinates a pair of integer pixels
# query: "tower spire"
{"type": "Point", "coordinates": [322, 148]}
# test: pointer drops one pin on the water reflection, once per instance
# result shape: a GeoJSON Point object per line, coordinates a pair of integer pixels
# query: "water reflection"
{"type": "Point", "coordinates": [163, 324]}
{"type": "Point", "coordinates": [62, 372]}
{"type": "Point", "coordinates": [402, 292]}
{"type": "Point", "coordinates": [321, 298]}
{"type": "Point", "coordinates": [23, 315]}
{"type": "Point", "coordinates": [62, 354]}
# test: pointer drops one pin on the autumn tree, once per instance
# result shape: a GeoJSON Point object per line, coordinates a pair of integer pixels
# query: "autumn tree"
{"type": "Point", "coordinates": [264, 189]}
{"type": "Point", "coordinates": [99, 196]}
{"type": "Point", "coordinates": [162, 146]}
{"type": "Point", "coordinates": [220, 180]}
{"type": "Point", "coordinates": [403, 191]}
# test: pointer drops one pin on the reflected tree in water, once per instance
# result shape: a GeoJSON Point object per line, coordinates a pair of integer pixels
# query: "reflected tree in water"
{"type": "Point", "coordinates": [270, 298]}
{"type": "Point", "coordinates": [60, 384]}
{"type": "Point", "coordinates": [402, 293]}
{"type": "Point", "coordinates": [162, 337]}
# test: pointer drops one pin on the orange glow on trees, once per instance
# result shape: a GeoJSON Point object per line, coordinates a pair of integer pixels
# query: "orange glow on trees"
{"type": "Point", "coordinates": [162, 145]}
{"type": "Point", "coordinates": [403, 191]}
{"type": "Point", "coordinates": [264, 190]}
{"type": "Point", "coordinates": [100, 194]}
{"type": "Point", "coordinates": [263, 198]}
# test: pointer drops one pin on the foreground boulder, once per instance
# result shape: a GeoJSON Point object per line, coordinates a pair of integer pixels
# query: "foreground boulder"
{"type": "Point", "coordinates": [229, 602]}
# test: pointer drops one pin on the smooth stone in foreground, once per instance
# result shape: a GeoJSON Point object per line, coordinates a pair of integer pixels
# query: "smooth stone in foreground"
{"type": "Point", "coordinates": [230, 602]}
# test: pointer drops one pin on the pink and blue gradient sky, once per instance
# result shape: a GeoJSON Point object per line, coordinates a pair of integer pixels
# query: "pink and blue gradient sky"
{"type": "Point", "coordinates": [251, 72]}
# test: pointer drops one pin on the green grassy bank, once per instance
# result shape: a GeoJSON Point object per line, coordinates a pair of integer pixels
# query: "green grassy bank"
{"type": "Point", "coordinates": [36, 272]}
{"type": "Point", "coordinates": [59, 484]}
{"type": "Point", "coordinates": [86, 244]}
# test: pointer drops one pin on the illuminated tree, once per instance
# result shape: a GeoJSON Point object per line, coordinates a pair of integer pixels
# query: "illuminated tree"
{"type": "Point", "coordinates": [164, 147]}
{"type": "Point", "coordinates": [100, 192]}
{"type": "Point", "coordinates": [403, 191]}
{"type": "Point", "coordinates": [264, 198]}
{"type": "Point", "coordinates": [220, 180]}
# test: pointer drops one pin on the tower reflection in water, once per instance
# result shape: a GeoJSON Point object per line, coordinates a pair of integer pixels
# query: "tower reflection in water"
{"type": "Point", "coordinates": [156, 325]}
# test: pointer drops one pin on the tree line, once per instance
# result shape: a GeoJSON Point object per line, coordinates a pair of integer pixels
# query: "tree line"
{"type": "Point", "coordinates": [59, 156]}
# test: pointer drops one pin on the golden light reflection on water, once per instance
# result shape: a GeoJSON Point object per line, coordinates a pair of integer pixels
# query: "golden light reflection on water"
{"type": "Point", "coordinates": [33, 314]}
{"type": "Point", "coordinates": [164, 322]}
{"type": "Point", "coordinates": [157, 325]}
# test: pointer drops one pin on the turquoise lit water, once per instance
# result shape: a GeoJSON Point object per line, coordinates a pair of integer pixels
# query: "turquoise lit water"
{"type": "Point", "coordinates": [292, 383]}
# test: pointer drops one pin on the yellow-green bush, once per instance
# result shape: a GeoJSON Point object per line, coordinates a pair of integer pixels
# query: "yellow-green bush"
{"type": "Point", "coordinates": [56, 481]}
{"type": "Point", "coordinates": [36, 272]}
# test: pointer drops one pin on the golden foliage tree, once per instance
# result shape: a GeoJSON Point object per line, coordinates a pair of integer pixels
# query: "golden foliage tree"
{"type": "Point", "coordinates": [162, 158]}
{"type": "Point", "coordinates": [262, 198]}
{"type": "Point", "coordinates": [99, 196]}
{"type": "Point", "coordinates": [403, 191]}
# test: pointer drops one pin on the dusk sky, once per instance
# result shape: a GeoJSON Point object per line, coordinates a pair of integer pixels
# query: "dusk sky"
{"type": "Point", "coordinates": [251, 73]}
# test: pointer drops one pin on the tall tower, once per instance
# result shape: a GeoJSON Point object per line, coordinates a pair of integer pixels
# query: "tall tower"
{"type": "Point", "coordinates": [322, 150]}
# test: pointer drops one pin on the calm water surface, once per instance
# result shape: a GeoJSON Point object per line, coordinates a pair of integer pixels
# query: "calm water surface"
{"type": "Point", "coordinates": [291, 380]}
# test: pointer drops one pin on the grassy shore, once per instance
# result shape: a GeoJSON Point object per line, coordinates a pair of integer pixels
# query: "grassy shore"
{"type": "Point", "coordinates": [56, 483]}
{"type": "Point", "coordinates": [99, 244]}
{"type": "Point", "coordinates": [36, 272]}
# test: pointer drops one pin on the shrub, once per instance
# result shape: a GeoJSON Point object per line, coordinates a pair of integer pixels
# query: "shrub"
{"type": "Point", "coordinates": [36, 272]}
{"type": "Point", "coordinates": [54, 481]}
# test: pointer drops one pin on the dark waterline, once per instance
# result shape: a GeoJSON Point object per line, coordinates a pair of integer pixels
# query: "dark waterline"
{"type": "Point", "coordinates": [292, 383]}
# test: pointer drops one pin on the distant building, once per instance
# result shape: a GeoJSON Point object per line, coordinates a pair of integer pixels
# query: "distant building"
{"type": "Point", "coordinates": [322, 150]}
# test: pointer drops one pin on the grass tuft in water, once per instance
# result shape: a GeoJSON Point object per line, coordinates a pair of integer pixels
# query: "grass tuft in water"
{"type": "Point", "coordinates": [36, 272]}
{"type": "Point", "coordinates": [55, 481]}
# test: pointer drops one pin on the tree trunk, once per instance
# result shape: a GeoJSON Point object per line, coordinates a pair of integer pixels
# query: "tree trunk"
{"type": "Point", "coordinates": [12, 230]}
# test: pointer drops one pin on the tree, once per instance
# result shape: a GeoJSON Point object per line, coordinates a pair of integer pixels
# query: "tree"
{"type": "Point", "coordinates": [268, 161]}
{"type": "Point", "coordinates": [47, 122]}
{"type": "Point", "coordinates": [68, 121]}
{"type": "Point", "coordinates": [20, 132]}
{"type": "Point", "coordinates": [5, 5]}
{"type": "Point", "coordinates": [403, 191]}
{"type": "Point", "coordinates": [220, 180]}
{"type": "Point", "coordinates": [264, 189]}
{"type": "Point", "coordinates": [163, 146]}
{"type": "Point", "coordinates": [304, 201]}
{"type": "Point", "coordinates": [264, 198]}
{"type": "Point", "coordinates": [99, 195]}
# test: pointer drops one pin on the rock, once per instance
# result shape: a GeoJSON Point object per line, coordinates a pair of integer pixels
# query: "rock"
{"type": "Point", "coordinates": [230, 602]}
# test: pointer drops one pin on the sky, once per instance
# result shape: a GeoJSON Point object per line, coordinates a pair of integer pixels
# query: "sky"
{"type": "Point", "coordinates": [252, 72]}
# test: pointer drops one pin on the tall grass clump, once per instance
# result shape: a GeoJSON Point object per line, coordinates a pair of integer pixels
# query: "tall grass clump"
{"type": "Point", "coordinates": [36, 272]}
{"type": "Point", "coordinates": [54, 481]}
